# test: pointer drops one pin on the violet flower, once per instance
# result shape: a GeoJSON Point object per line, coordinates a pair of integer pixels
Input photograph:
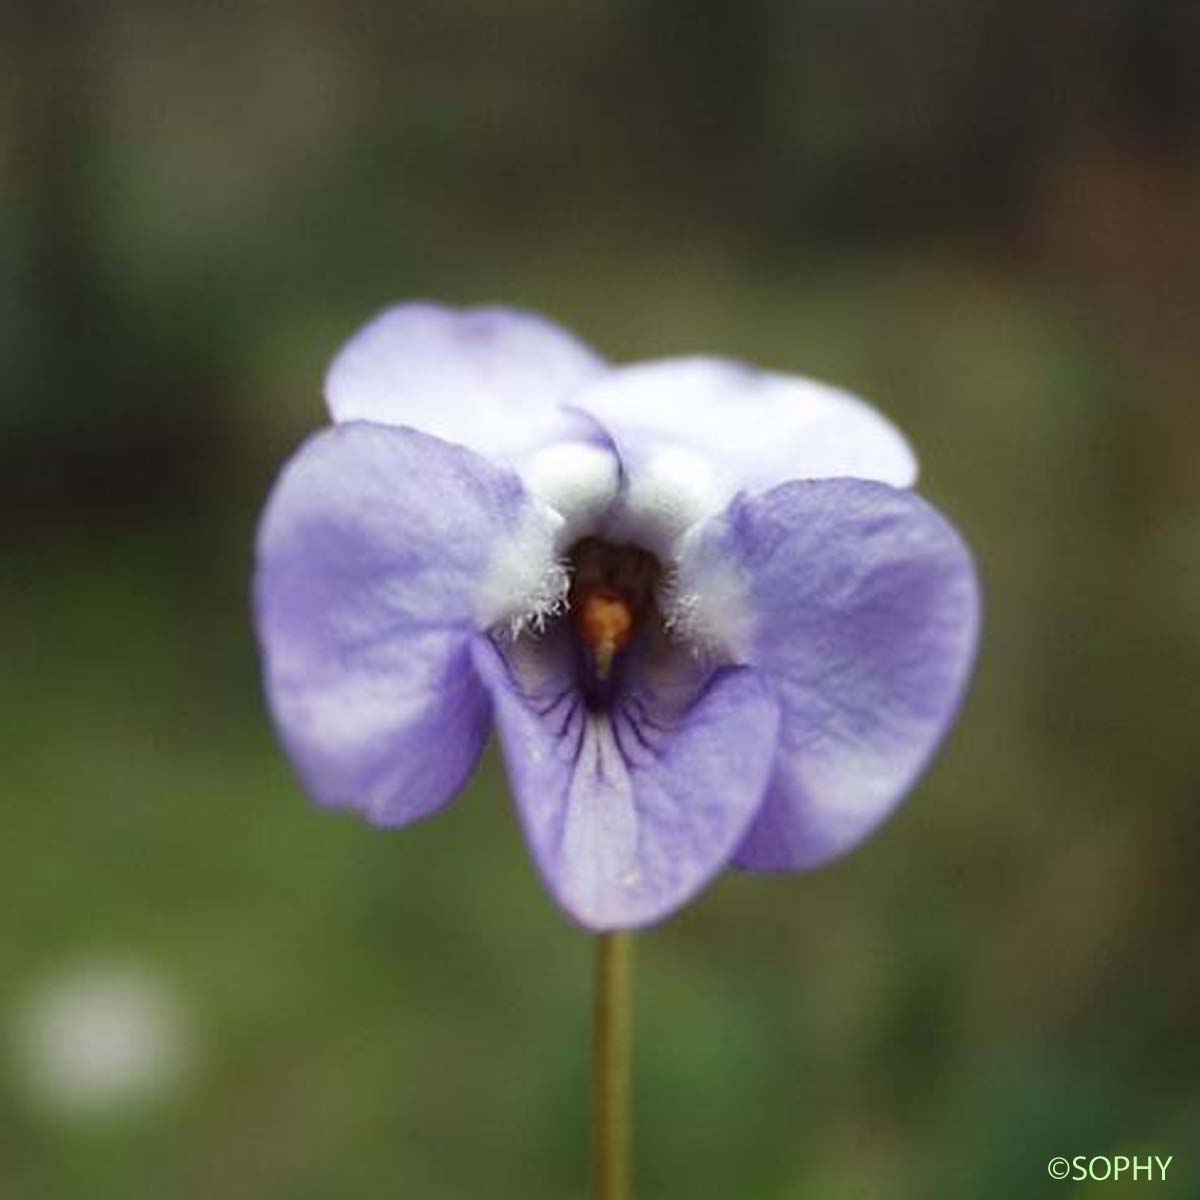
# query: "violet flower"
{"type": "Point", "coordinates": [708, 618]}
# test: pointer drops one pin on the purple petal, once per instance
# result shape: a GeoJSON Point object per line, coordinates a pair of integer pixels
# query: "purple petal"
{"type": "Point", "coordinates": [693, 432]}
{"type": "Point", "coordinates": [630, 812]}
{"type": "Point", "coordinates": [491, 379]}
{"type": "Point", "coordinates": [864, 613]}
{"type": "Point", "coordinates": [380, 554]}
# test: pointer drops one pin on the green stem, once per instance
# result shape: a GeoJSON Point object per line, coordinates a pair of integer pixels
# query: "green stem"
{"type": "Point", "coordinates": [611, 1067]}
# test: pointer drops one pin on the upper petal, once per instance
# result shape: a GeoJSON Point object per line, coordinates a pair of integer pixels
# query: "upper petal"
{"type": "Point", "coordinates": [693, 432]}
{"type": "Point", "coordinates": [380, 554]}
{"type": "Point", "coordinates": [492, 379]}
{"type": "Point", "coordinates": [860, 603]}
{"type": "Point", "coordinates": [629, 812]}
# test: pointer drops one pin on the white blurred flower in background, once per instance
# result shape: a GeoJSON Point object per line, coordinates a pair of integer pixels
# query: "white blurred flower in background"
{"type": "Point", "coordinates": [100, 1037]}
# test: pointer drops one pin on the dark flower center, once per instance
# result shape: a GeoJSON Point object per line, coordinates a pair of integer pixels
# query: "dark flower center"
{"type": "Point", "coordinates": [612, 598]}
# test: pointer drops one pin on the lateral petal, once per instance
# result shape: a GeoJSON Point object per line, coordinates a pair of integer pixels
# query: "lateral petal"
{"type": "Point", "coordinates": [380, 555]}
{"type": "Point", "coordinates": [859, 603]}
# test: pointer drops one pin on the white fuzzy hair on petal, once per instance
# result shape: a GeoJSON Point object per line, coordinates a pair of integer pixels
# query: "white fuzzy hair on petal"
{"type": "Point", "coordinates": [526, 583]}
{"type": "Point", "coordinates": [704, 602]}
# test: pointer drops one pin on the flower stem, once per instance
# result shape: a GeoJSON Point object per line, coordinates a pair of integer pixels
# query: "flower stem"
{"type": "Point", "coordinates": [611, 1055]}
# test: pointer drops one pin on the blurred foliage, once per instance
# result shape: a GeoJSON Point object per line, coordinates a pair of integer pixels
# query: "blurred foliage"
{"type": "Point", "coordinates": [983, 216]}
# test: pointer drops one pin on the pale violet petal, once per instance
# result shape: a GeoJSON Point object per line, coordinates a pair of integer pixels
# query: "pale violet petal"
{"type": "Point", "coordinates": [381, 554]}
{"type": "Point", "coordinates": [495, 380]}
{"type": "Point", "coordinates": [579, 480]}
{"type": "Point", "coordinates": [629, 811]}
{"type": "Point", "coordinates": [693, 432]}
{"type": "Point", "coordinates": [859, 603]}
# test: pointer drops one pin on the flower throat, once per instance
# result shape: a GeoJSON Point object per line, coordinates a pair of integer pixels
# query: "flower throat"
{"type": "Point", "coordinates": [612, 596]}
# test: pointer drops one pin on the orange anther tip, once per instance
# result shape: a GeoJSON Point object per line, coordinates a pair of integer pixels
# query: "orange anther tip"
{"type": "Point", "coordinates": [605, 622]}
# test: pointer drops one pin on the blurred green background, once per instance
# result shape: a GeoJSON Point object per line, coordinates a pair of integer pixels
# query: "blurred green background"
{"type": "Point", "coordinates": [984, 216]}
